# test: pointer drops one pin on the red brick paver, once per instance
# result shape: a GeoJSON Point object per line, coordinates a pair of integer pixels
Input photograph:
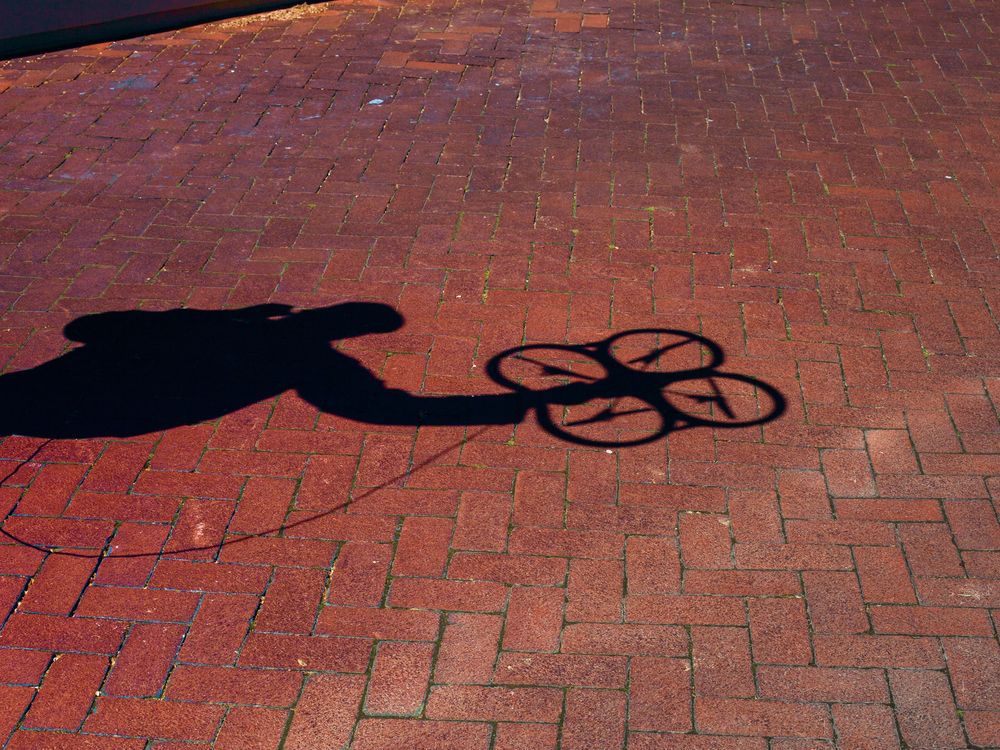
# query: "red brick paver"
{"type": "Point", "coordinates": [813, 186]}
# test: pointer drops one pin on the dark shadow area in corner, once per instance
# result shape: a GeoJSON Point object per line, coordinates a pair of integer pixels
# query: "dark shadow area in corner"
{"type": "Point", "coordinates": [30, 28]}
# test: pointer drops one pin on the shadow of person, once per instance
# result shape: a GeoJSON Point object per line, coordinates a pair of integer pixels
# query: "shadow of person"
{"type": "Point", "coordinates": [139, 372]}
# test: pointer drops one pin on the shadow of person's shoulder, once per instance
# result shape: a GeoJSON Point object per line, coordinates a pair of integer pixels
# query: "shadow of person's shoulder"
{"type": "Point", "coordinates": [117, 325]}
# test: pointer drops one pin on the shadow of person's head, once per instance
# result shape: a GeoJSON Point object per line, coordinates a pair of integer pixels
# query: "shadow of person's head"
{"type": "Point", "coordinates": [347, 319]}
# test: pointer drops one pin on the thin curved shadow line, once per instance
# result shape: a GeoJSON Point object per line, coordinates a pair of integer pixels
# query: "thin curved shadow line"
{"type": "Point", "coordinates": [225, 542]}
{"type": "Point", "coordinates": [139, 372]}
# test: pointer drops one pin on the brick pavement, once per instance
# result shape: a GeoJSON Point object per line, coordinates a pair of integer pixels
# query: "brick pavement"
{"type": "Point", "coordinates": [811, 185]}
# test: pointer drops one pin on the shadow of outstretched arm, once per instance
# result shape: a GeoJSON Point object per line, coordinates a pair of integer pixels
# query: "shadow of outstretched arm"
{"type": "Point", "coordinates": [371, 402]}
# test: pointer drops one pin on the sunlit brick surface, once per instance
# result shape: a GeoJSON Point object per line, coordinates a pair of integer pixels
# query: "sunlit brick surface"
{"type": "Point", "coordinates": [811, 185]}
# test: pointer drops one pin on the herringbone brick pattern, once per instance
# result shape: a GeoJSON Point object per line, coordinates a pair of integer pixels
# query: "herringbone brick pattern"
{"type": "Point", "coordinates": [813, 185]}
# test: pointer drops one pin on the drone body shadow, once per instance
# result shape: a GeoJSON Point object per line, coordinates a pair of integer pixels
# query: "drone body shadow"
{"type": "Point", "coordinates": [140, 372]}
